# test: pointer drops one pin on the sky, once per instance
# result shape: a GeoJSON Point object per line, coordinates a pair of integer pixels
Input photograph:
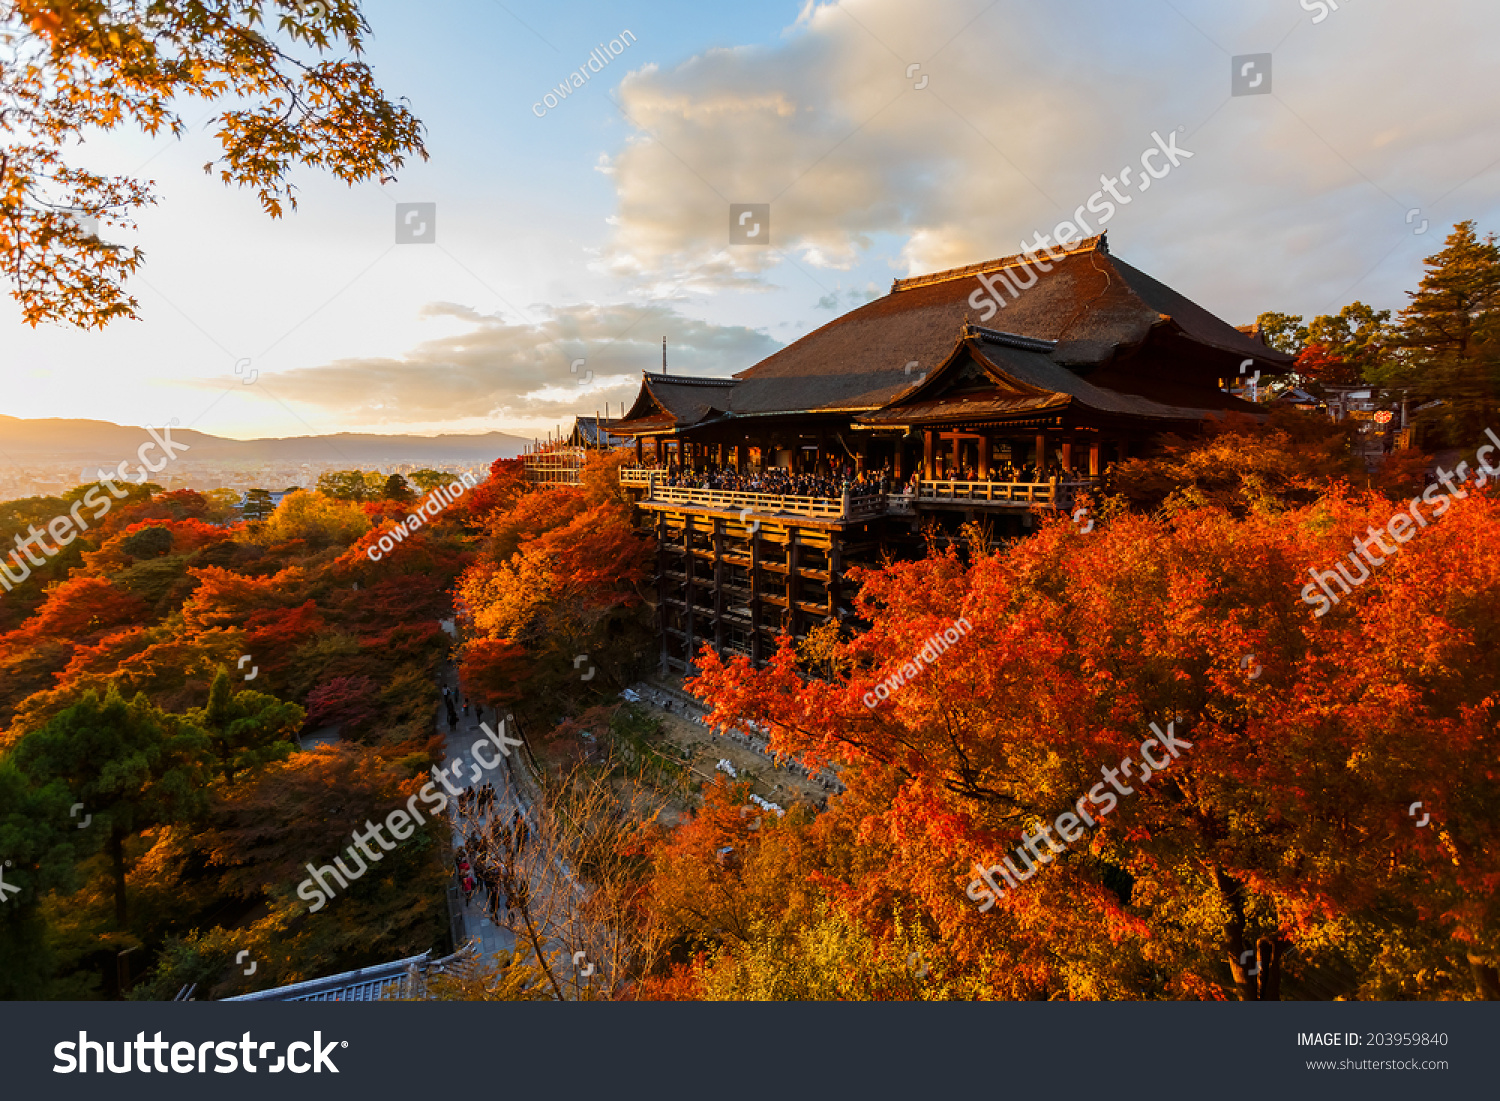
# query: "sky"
{"type": "Point", "coordinates": [888, 138]}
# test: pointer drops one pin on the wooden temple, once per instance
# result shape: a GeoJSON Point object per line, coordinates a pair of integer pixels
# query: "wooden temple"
{"type": "Point", "coordinates": [904, 413]}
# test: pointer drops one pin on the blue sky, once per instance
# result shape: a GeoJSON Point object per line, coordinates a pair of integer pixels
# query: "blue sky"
{"type": "Point", "coordinates": [590, 233]}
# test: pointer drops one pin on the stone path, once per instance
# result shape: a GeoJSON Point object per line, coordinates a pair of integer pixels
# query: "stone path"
{"type": "Point", "coordinates": [471, 919]}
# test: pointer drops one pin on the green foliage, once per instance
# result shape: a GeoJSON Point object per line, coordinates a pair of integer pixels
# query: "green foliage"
{"type": "Point", "coordinates": [396, 489]}
{"type": "Point", "coordinates": [352, 485]}
{"type": "Point", "coordinates": [247, 729]}
{"type": "Point", "coordinates": [258, 505]}
{"type": "Point", "coordinates": [131, 765]}
{"type": "Point", "coordinates": [1283, 331]}
{"type": "Point", "coordinates": [1448, 342]}
{"type": "Point", "coordinates": [147, 543]}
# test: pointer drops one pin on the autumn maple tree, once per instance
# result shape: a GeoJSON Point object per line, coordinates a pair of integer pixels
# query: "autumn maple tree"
{"type": "Point", "coordinates": [297, 92]}
{"type": "Point", "coordinates": [1274, 857]}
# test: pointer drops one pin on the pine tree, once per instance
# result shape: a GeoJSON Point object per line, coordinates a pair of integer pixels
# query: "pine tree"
{"type": "Point", "coordinates": [1449, 340]}
{"type": "Point", "coordinates": [258, 505]}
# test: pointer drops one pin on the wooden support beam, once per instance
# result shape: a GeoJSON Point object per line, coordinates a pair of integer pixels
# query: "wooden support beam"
{"type": "Point", "coordinates": [1095, 446]}
{"type": "Point", "coordinates": [1041, 454]}
{"type": "Point", "coordinates": [757, 586]}
{"type": "Point", "coordinates": [719, 580]}
{"type": "Point", "coordinates": [984, 457]}
{"type": "Point", "coordinates": [928, 469]}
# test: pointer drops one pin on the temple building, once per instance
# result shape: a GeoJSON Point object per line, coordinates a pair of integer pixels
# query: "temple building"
{"type": "Point", "coordinates": [903, 414]}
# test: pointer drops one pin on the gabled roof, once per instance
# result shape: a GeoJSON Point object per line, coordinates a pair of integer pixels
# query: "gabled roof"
{"type": "Point", "coordinates": [675, 401]}
{"type": "Point", "coordinates": [992, 374]}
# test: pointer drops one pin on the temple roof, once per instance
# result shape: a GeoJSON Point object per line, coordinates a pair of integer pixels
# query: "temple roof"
{"type": "Point", "coordinates": [1093, 309]}
{"type": "Point", "coordinates": [991, 374]}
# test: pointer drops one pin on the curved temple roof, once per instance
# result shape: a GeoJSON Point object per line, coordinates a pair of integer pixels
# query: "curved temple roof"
{"type": "Point", "coordinates": [1090, 310]}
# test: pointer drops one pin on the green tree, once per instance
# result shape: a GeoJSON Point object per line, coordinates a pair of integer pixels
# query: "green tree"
{"type": "Point", "coordinates": [1348, 347]}
{"type": "Point", "coordinates": [1283, 331]}
{"type": "Point", "coordinates": [41, 845]}
{"type": "Point", "coordinates": [428, 480]}
{"type": "Point", "coordinates": [350, 485]}
{"type": "Point", "coordinates": [246, 729]}
{"type": "Point", "coordinates": [258, 505]}
{"type": "Point", "coordinates": [1449, 339]}
{"type": "Point", "coordinates": [131, 765]}
{"type": "Point", "coordinates": [396, 489]}
{"type": "Point", "coordinates": [89, 65]}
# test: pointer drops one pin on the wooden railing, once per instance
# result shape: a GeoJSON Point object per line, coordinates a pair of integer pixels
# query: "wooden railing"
{"type": "Point", "coordinates": [559, 466]}
{"type": "Point", "coordinates": [818, 508]}
{"type": "Point", "coordinates": [1020, 493]}
{"type": "Point", "coordinates": [866, 505]}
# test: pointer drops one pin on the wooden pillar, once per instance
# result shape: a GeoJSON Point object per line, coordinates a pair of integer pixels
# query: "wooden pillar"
{"type": "Point", "coordinates": [756, 587]}
{"type": "Point", "coordinates": [1041, 456]}
{"type": "Point", "coordinates": [1067, 454]}
{"type": "Point", "coordinates": [835, 569]}
{"type": "Point", "coordinates": [958, 455]}
{"type": "Point", "coordinates": [719, 579]}
{"type": "Point", "coordinates": [928, 469]}
{"type": "Point", "coordinates": [1095, 446]}
{"type": "Point", "coordinates": [663, 615]}
{"type": "Point", "coordinates": [985, 447]}
{"type": "Point", "coordinates": [687, 565]}
{"type": "Point", "coordinates": [896, 463]}
{"type": "Point", "coordinates": [793, 582]}
{"type": "Point", "coordinates": [723, 454]}
{"type": "Point", "coordinates": [639, 446]}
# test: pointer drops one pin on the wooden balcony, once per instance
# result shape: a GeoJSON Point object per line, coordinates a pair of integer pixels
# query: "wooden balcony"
{"type": "Point", "coordinates": [1054, 494]}
{"type": "Point", "coordinates": [851, 507]}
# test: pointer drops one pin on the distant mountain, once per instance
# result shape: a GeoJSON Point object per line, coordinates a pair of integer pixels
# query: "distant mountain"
{"type": "Point", "coordinates": [54, 440]}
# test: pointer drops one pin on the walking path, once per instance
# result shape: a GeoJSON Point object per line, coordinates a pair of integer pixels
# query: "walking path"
{"type": "Point", "coordinates": [471, 920]}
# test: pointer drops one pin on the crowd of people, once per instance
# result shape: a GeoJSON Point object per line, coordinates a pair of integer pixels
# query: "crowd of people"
{"type": "Point", "coordinates": [485, 862]}
{"type": "Point", "coordinates": [776, 481]}
{"type": "Point", "coordinates": [784, 483]}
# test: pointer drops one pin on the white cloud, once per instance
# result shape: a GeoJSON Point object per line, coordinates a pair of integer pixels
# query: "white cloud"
{"type": "Point", "coordinates": [517, 372]}
{"type": "Point", "coordinates": [1374, 111]}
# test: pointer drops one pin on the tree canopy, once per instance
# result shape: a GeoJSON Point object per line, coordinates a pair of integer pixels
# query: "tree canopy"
{"type": "Point", "coordinates": [296, 92]}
